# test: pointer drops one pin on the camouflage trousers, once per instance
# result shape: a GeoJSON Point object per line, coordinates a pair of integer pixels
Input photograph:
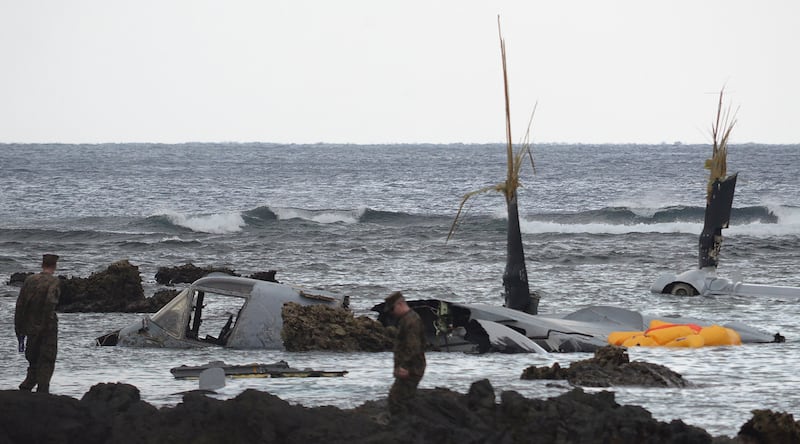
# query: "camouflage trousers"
{"type": "Point", "coordinates": [40, 351]}
{"type": "Point", "coordinates": [400, 395]}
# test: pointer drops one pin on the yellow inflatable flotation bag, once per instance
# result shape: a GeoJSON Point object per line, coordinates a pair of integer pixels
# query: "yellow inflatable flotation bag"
{"type": "Point", "coordinates": [666, 334]}
{"type": "Point", "coordinates": [717, 335]}
{"type": "Point", "coordinates": [618, 337]}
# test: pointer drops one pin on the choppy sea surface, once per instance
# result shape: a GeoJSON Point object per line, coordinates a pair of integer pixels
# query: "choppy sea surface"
{"type": "Point", "coordinates": [600, 223]}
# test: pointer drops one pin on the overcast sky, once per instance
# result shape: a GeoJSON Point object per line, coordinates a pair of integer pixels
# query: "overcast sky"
{"type": "Point", "coordinates": [395, 71]}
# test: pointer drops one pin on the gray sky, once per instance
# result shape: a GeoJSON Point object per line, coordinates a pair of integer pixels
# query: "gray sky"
{"type": "Point", "coordinates": [407, 71]}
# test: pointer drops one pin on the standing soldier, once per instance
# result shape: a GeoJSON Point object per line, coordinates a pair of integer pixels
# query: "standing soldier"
{"type": "Point", "coordinates": [409, 353]}
{"type": "Point", "coordinates": [35, 318]}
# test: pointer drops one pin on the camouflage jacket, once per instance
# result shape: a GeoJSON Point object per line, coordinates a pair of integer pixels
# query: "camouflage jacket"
{"type": "Point", "coordinates": [36, 304]}
{"type": "Point", "coordinates": [409, 346]}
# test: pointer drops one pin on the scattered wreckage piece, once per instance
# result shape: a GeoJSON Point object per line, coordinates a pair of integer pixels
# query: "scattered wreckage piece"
{"type": "Point", "coordinates": [221, 310]}
{"type": "Point", "coordinates": [278, 369]}
{"type": "Point", "coordinates": [482, 328]}
{"type": "Point", "coordinates": [703, 280]}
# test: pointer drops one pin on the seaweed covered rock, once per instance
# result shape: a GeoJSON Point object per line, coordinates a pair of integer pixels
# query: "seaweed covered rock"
{"type": "Point", "coordinates": [319, 327]}
{"type": "Point", "coordinates": [187, 273]}
{"type": "Point", "coordinates": [116, 289]}
{"type": "Point", "coordinates": [610, 366]}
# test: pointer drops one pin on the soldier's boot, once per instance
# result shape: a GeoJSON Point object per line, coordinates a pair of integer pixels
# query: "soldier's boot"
{"type": "Point", "coordinates": [43, 375]}
{"type": "Point", "coordinates": [30, 380]}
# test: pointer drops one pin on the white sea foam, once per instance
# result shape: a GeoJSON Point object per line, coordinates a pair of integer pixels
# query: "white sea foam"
{"type": "Point", "coordinates": [649, 204]}
{"type": "Point", "coordinates": [212, 223]}
{"type": "Point", "coordinates": [320, 216]}
{"type": "Point", "coordinates": [756, 229]}
{"type": "Point", "coordinates": [786, 215]}
{"type": "Point", "coordinates": [536, 227]}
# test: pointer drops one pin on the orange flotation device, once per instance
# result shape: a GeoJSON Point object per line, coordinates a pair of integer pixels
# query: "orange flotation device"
{"type": "Point", "coordinates": [666, 334]}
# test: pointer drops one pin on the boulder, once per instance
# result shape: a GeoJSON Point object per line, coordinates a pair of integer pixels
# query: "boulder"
{"type": "Point", "coordinates": [268, 276]}
{"type": "Point", "coordinates": [187, 273]}
{"type": "Point", "coordinates": [17, 279]}
{"type": "Point", "coordinates": [767, 426]}
{"type": "Point", "coordinates": [113, 290]}
{"type": "Point", "coordinates": [610, 366]}
{"type": "Point", "coordinates": [320, 327]}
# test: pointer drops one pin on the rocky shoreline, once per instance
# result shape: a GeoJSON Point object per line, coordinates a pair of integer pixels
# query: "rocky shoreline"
{"type": "Point", "coordinates": [119, 288]}
{"type": "Point", "coordinates": [114, 412]}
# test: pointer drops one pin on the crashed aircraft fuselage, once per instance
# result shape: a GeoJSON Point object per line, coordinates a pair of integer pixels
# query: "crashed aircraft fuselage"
{"type": "Point", "coordinates": [482, 328]}
{"type": "Point", "coordinates": [221, 310]}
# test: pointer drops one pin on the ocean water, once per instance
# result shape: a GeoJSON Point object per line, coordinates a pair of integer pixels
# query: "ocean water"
{"type": "Point", "coordinates": [600, 223]}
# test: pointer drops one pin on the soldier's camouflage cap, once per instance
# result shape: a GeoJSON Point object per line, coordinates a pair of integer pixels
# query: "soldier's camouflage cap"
{"type": "Point", "coordinates": [49, 260]}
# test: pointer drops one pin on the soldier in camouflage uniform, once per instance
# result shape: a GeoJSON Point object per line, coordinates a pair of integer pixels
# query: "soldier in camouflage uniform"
{"type": "Point", "coordinates": [35, 318]}
{"type": "Point", "coordinates": [409, 353]}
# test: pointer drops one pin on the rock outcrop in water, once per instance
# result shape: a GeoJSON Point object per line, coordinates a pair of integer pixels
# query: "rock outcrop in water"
{"type": "Point", "coordinates": [610, 366]}
{"type": "Point", "coordinates": [767, 426]}
{"type": "Point", "coordinates": [116, 289]}
{"type": "Point", "coordinates": [115, 413]}
{"type": "Point", "coordinates": [17, 279]}
{"type": "Point", "coordinates": [188, 273]}
{"type": "Point", "coordinates": [319, 327]}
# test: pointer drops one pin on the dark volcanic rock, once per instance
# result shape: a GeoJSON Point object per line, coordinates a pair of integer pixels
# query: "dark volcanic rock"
{"type": "Point", "coordinates": [112, 290]}
{"type": "Point", "coordinates": [17, 279]}
{"type": "Point", "coordinates": [114, 413]}
{"type": "Point", "coordinates": [767, 427]}
{"type": "Point", "coordinates": [610, 366]}
{"type": "Point", "coordinates": [268, 276]}
{"type": "Point", "coordinates": [319, 327]}
{"type": "Point", "coordinates": [187, 273]}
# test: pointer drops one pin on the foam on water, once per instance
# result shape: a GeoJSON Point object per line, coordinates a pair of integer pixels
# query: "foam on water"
{"type": "Point", "coordinates": [212, 223]}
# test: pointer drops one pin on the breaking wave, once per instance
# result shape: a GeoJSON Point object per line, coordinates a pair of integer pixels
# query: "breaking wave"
{"type": "Point", "coordinates": [759, 221]}
{"type": "Point", "coordinates": [768, 220]}
{"type": "Point", "coordinates": [320, 216]}
{"type": "Point", "coordinates": [221, 223]}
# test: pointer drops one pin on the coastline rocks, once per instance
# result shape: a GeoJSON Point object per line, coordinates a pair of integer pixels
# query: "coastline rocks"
{"type": "Point", "coordinates": [768, 426]}
{"type": "Point", "coordinates": [187, 273]}
{"type": "Point", "coordinates": [117, 289]}
{"type": "Point", "coordinates": [319, 327]}
{"type": "Point", "coordinates": [115, 413]}
{"type": "Point", "coordinates": [268, 276]}
{"type": "Point", "coordinates": [610, 366]}
{"type": "Point", "coordinates": [17, 279]}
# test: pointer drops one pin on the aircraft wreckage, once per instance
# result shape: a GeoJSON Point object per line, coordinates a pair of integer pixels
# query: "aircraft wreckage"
{"type": "Point", "coordinates": [516, 327]}
{"type": "Point", "coordinates": [246, 313]}
{"type": "Point", "coordinates": [719, 201]}
{"type": "Point", "coordinates": [221, 310]}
